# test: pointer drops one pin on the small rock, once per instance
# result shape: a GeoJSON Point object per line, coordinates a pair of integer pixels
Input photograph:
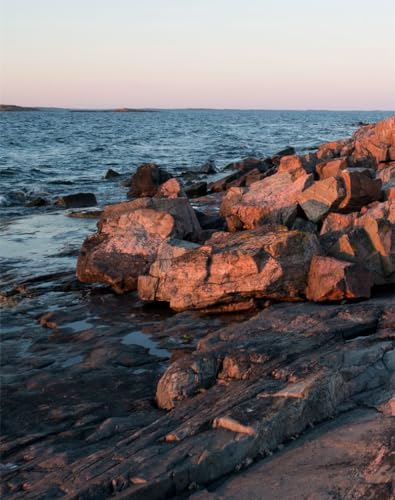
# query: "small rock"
{"type": "Point", "coordinates": [77, 200]}
{"type": "Point", "coordinates": [208, 168]}
{"type": "Point", "coordinates": [37, 202]}
{"type": "Point", "coordinates": [197, 189]}
{"type": "Point", "coordinates": [111, 174]}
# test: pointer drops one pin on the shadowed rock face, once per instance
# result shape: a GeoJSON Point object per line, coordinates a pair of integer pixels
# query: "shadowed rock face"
{"type": "Point", "coordinates": [146, 180]}
{"type": "Point", "coordinates": [268, 262]}
{"type": "Point", "coordinates": [332, 279]}
{"type": "Point", "coordinates": [128, 238]}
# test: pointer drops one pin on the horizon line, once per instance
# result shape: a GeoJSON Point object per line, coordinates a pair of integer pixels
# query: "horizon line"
{"type": "Point", "coordinates": [188, 108]}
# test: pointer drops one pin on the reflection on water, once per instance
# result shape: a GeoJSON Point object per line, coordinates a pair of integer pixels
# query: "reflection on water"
{"type": "Point", "coordinates": [145, 341]}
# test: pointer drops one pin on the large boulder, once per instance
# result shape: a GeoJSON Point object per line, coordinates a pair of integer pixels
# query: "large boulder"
{"type": "Point", "coordinates": [332, 280]}
{"type": "Point", "coordinates": [269, 262]}
{"type": "Point", "coordinates": [297, 166]}
{"type": "Point", "coordinates": [129, 235]}
{"type": "Point", "coordinates": [361, 189]}
{"type": "Point", "coordinates": [271, 200]}
{"type": "Point", "coordinates": [146, 180]}
{"type": "Point", "coordinates": [321, 198]}
{"type": "Point", "coordinates": [376, 141]}
{"type": "Point", "coordinates": [366, 238]}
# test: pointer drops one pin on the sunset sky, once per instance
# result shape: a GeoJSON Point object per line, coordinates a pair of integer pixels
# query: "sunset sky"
{"type": "Point", "coordinates": [263, 54]}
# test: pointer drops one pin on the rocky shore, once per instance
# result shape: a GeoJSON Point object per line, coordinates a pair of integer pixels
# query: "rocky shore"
{"type": "Point", "coordinates": [232, 339]}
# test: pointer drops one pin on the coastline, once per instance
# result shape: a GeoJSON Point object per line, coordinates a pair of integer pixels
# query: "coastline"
{"type": "Point", "coordinates": [91, 377]}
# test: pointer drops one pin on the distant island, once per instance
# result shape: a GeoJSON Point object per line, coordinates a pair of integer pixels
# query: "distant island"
{"type": "Point", "coordinates": [12, 107]}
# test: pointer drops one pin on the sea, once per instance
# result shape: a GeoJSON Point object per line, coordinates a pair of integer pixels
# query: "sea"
{"type": "Point", "coordinates": [50, 153]}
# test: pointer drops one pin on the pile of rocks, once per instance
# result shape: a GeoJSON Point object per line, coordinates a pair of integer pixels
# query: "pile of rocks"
{"type": "Point", "coordinates": [319, 227]}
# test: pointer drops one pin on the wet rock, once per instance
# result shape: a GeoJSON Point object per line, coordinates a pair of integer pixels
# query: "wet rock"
{"type": "Point", "coordinates": [208, 168]}
{"type": "Point", "coordinates": [85, 214]}
{"type": "Point", "coordinates": [111, 174]}
{"type": "Point", "coordinates": [197, 189]}
{"type": "Point", "coordinates": [248, 164]}
{"type": "Point", "coordinates": [129, 235]}
{"type": "Point", "coordinates": [146, 180]}
{"type": "Point", "coordinates": [289, 150]}
{"type": "Point", "coordinates": [321, 198]}
{"type": "Point", "coordinates": [262, 263]}
{"type": "Point", "coordinates": [332, 279]}
{"type": "Point", "coordinates": [37, 202]}
{"type": "Point", "coordinates": [77, 200]}
{"type": "Point", "coordinates": [272, 200]}
{"type": "Point", "coordinates": [171, 189]}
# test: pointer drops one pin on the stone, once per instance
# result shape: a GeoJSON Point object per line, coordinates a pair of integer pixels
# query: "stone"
{"type": "Point", "coordinates": [271, 200]}
{"type": "Point", "coordinates": [331, 168]}
{"type": "Point", "coordinates": [111, 174]}
{"type": "Point", "coordinates": [289, 150]}
{"type": "Point", "coordinates": [366, 238]}
{"type": "Point", "coordinates": [332, 279]}
{"type": "Point", "coordinates": [37, 202]}
{"type": "Point", "coordinates": [170, 189]}
{"type": "Point", "coordinates": [197, 189]}
{"type": "Point", "coordinates": [129, 235]}
{"type": "Point", "coordinates": [248, 164]}
{"type": "Point", "coordinates": [146, 180]}
{"type": "Point", "coordinates": [321, 198]}
{"type": "Point", "coordinates": [335, 149]}
{"type": "Point", "coordinates": [376, 141]}
{"type": "Point", "coordinates": [207, 221]}
{"type": "Point", "coordinates": [361, 189]}
{"type": "Point", "coordinates": [297, 166]}
{"type": "Point", "coordinates": [269, 262]}
{"type": "Point", "coordinates": [208, 168]}
{"type": "Point", "coordinates": [77, 200]}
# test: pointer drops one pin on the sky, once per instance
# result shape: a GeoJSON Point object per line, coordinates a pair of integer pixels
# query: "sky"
{"type": "Point", "coordinates": [239, 54]}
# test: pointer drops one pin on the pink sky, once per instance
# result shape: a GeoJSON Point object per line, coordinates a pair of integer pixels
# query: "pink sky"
{"type": "Point", "coordinates": [211, 53]}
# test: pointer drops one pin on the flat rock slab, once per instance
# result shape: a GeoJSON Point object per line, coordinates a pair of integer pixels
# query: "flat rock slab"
{"type": "Point", "coordinates": [351, 457]}
{"type": "Point", "coordinates": [289, 367]}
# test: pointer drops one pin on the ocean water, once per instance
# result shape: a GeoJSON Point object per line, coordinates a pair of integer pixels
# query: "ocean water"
{"type": "Point", "coordinates": [51, 153]}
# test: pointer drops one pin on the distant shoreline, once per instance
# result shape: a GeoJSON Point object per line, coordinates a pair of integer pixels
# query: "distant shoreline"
{"type": "Point", "coordinates": [15, 108]}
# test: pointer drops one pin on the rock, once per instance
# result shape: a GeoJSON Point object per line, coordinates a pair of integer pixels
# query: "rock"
{"type": "Point", "coordinates": [128, 237]}
{"type": "Point", "coordinates": [335, 149]}
{"type": "Point", "coordinates": [210, 221]}
{"type": "Point", "coordinates": [37, 202]}
{"type": "Point", "coordinates": [332, 279]}
{"type": "Point", "coordinates": [208, 168]}
{"type": "Point", "coordinates": [331, 168]}
{"type": "Point", "coordinates": [297, 166]}
{"type": "Point", "coordinates": [269, 262]}
{"type": "Point", "coordinates": [289, 150]}
{"type": "Point", "coordinates": [321, 198]}
{"type": "Point", "coordinates": [111, 174]}
{"type": "Point", "coordinates": [146, 180]}
{"type": "Point", "coordinates": [170, 189]}
{"type": "Point", "coordinates": [386, 172]}
{"type": "Point", "coordinates": [366, 238]}
{"type": "Point", "coordinates": [243, 177]}
{"type": "Point", "coordinates": [376, 141]}
{"type": "Point", "coordinates": [388, 190]}
{"type": "Point", "coordinates": [361, 189]}
{"type": "Point", "coordinates": [272, 200]}
{"type": "Point", "coordinates": [197, 189]}
{"type": "Point", "coordinates": [77, 200]}
{"type": "Point", "coordinates": [85, 214]}
{"type": "Point", "coordinates": [248, 164]}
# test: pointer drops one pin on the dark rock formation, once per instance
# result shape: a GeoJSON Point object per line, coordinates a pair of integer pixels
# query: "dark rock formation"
{"type": "Point", "coordinates": [146, 180]}
{"type": "Point", "coordinates": [77, 200]}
